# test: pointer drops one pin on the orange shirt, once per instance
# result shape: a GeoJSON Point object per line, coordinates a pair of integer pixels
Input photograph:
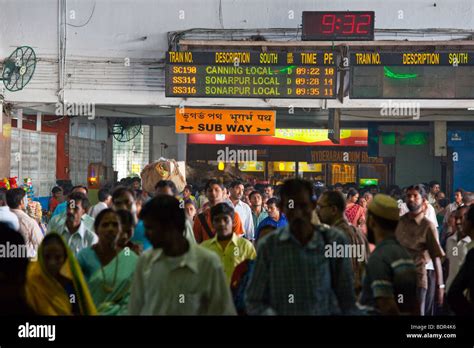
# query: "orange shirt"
{"type": "Point", "coordinates": [200, 233]}
{"type": "Point", "coordinates": [53, 203]}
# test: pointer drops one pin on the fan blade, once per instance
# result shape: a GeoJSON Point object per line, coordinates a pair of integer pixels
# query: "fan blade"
{"type": "Point", "coordinates": [12, 85]}
{"type": "Point", "coordinates": [31, 53]}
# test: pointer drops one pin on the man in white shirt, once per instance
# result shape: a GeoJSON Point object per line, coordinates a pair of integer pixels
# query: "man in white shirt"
{"type": "Point", "coordinates": [457, 246]}
{"type": "Point", "coordinates": [458, 202]}
{"type": "Point", "coordinates": [434, 189]}
{"type": "Point", "coordinates": [29, 228]}
{"type": "Point", "coordinates": [243, 209]}
{"type": "Point", "coordinates": [77, 234]}
{"type": "Point", "coordinates": [6, 215]}
{"type": "Point", "coordinates": [176, 277]}
{"type": "Point", "coordinates": [105, 201]}
{"type": "Point", "coordinates": [58, 220]}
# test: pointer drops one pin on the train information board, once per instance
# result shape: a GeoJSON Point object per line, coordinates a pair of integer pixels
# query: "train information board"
{"type": "Point", "coordinates": [412, 75]}
{"type": "Point", "coordinates": [309, 74]}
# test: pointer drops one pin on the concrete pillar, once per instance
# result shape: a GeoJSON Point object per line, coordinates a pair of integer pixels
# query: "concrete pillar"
{"type": "Point", "coordinates": [5, 144]}
{"type": "Point", "coordinates": [182, 142]}
{"type": "Point", "coordinates": [440, 135]}
{"type": "Point", "coordinates": [38, 121]}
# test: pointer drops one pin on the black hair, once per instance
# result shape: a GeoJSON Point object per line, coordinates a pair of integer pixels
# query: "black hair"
{"type": "Point", "coordinates": [420, 188]}
{"type": "Point", "coordinates": [3, 195]}
{"type": "Point", "coordinates": [166, 210]}
{"type": "Point", "coordinates": [433, 183]}
{"type": "Point", "coordinates": [80, 197]}
{"type": "Point", "coordinates": [190, 201]}
{"type": "Point", "coordinates": [103, 194]}
{"type": "Point", "coordinates": [374, 187]}
{"type": "Point", "coordinates": [264, 228]}
{"type": "Point", "coordinates": [126, 217]}
{"type": "Point", "coordinates": [254, 193]}
{"type": "Point", "coordinates": [189, 187]}
{"type": "Point", "coordinates": [100, 216]}
{"type": "Point", "coordinates": [222, 208]}
{"type": "Point", "coordinates": [293, 186]}
{"type": "Point", "coordinates": [12, 268]}
{"type": "Point", "coordinates": [396, 193]}
{"type": "Point", "coordinates": [443, 203]}
{"type": "Point", "coordinates": [336, 199]}
{"type": "Point", "coordinates": [273, 200]}
{"type": "Point", "coordinates": [51, 238]}
{"type": "Point", "coordinates": [235, 183]}
{"type": "Point", "coordinates": [136, 179]}
{"type": "Point", "coordinates": [459, 190]}
{"type": "Point", "coordinates": [351, 193]}
{"type": "Point", "coordinates": [167, 183]}
{"type": "Point", "coordinates": [212, 182]}
{"type": "Point", "coordinates": [80, 186]}
{"type": "Point", "coordinates": [14, 197]}
{"type": "Point", "coordinates": [139, 195]}
{"type": "Point", "coordinates": [268, 185]}
{"type": "Point", "coordinates": [56, 189]}
{"type": "Point", "coordinates": [338, 184]}
{"type": "Point", "coordinates": [385, 224]}
{"type": "Point", "coordinates": [120, 190]}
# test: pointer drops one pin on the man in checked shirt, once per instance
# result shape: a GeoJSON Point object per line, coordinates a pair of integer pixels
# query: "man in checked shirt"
{"type": "Point", "coordinates": [292, 275]}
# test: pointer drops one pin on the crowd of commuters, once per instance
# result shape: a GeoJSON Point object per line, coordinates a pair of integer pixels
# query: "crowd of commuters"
{"type": "Point", "coordinates": [235, 248]}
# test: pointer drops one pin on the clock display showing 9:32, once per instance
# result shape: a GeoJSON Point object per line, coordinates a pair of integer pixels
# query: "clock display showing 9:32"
{"type": "Point", "coordinates": [320, 26]}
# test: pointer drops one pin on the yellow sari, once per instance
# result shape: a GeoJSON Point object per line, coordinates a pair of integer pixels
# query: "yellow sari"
{"type": "Point", "coordinates": [47, 296]}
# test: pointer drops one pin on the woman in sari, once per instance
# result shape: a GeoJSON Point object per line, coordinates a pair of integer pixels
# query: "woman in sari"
{"type": "Point", "coordinates": [55, 284]}
{"type": "Point", "coordinates": [354, 212]}
{"type": "Point", "coordinates": [108, 269]}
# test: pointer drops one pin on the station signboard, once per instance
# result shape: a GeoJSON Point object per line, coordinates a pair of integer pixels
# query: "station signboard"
{"type": "Point", "coordinates": [412, 75]}
{"type": "Point", "coordinates": [245, 74]}
{"type": "Point", "coordinates": [213, 121]}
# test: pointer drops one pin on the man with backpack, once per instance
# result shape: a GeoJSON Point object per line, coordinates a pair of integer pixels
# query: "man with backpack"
{"type": "Point", "coordinates": [331, 207]}
{"type": "Point", "coordinates": [292, 275]}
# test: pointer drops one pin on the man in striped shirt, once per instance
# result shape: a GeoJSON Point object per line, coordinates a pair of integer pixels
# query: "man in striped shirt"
{"type": "Point", "coordinates": [292, 274]}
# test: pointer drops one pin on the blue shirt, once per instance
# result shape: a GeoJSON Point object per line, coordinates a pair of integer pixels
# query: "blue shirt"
{"type": "Point", "coordinates": [268, 221]}
{"type": "Point", "coordinates": [60, 208]}
{"type": "Point", "coordinates": [292, 279]}
{"type": "Point", "coordinates": [139, 236]}
{"type": "Point", "coordinates": [89, 262]}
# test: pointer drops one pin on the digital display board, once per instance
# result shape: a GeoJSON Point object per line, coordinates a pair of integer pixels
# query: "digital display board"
{"type": "Point", "coordinates": [309, 74]}
{"type": "Point", "coordinates": [412, 75]}
{"type": "Point", "coordinates": [338, 25]}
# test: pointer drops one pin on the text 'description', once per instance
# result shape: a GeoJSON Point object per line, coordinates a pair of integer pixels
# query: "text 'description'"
{"type": "Point", "coordinates": [214, 121]}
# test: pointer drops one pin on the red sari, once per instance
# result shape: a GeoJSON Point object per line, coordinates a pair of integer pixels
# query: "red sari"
{"type": "Point", "coordinates": [354, 212]}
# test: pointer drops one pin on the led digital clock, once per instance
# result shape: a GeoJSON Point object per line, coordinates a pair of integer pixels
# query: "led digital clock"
{"type": "Point", "coordinates": [334, 26]}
